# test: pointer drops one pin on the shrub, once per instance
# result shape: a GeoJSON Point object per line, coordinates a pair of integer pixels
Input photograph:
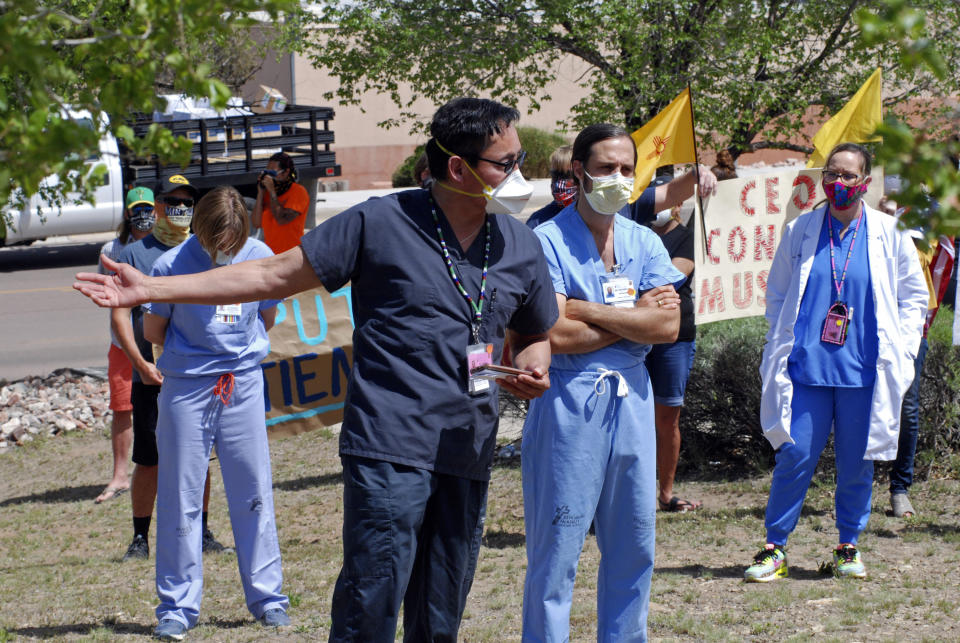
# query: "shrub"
{"type": "Point", "coordinates": [403, 175]}
{"type": "Point", "coordinates": [539, 145]}
{"type": "Point", "coordinates": [720, 422]}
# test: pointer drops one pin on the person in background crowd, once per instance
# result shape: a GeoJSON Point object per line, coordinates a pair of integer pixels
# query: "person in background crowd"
{"type": "Point", "coordinates": [137, 222]}
{"type": "Point", "coordinates": [212, 394]}
{"type": "Point", "coordinates": [563, 187]}
{"type": "Point", "coordinates": [725, 167]}
{"type": "Point", "coordinates": [421, 172]}
{"type": "Point", "coordinates": [588, 443]}
{"type": "Point", "coordinates": [174, 210]}
{"type": "Point", "coordinates": [282, 204]}
{"type": "Point", "coordinates": [937, 263]}
{"type": "Point", "coordinates": [846, 299]}
{"type": "Point", "coordinates": [663, 193]}
{"type": "Point", "coordinates": [441, 280]}
{"type": "Point", "coordinates": [669, 364]}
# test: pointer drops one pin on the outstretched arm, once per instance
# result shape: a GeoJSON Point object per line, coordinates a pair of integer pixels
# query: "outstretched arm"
{"type": "Point", "coordinates": [273, 277]}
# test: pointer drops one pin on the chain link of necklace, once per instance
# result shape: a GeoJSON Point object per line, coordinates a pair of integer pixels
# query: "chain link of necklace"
{"type": "Point", "coordinates": [476, 307]}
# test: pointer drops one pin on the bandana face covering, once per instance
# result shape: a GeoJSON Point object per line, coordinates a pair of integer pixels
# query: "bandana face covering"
{"type": "Point", "coordinates": [842, 196]}
{"type": "Point", "coordinates": [170, 234]}
{"type": "Point", "coordinates": [142, 219]}
{"type": "Point", "coordinates": [564, 190]}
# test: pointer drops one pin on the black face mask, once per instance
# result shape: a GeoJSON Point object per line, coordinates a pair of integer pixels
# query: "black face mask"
{"type": "Point", "coordinates": [284, 185]}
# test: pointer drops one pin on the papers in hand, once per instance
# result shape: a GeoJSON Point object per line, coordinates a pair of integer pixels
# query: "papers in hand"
{"type": "Point", "coordinates": [493, 371]}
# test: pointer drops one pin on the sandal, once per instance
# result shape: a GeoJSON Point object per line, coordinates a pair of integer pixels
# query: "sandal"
{"type": "Point", "coordinates": [110, 493]}
{"type": "Point", "coordinates": [678, 505]}
{"type": "Point", "coordinates": [902, 507]}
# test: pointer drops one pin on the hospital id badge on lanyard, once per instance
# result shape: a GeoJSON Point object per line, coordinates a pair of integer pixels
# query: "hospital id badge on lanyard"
{"type": "Point", "coordinates": [836, 324]}
{"type": "Point", "coordinates": [229, 313]}
{"type": "Point", "coordinates": [478, 355]}
{"type": "Point", "coordinates": [618, 290]}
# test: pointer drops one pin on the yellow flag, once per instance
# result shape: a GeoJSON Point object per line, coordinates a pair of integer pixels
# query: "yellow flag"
{"type": "Point", "coordinates": [855, 123]}
{"type": "Point", "coordinates": [665, 140]}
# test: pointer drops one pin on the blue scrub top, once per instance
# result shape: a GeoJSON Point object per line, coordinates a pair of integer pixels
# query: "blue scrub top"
{"type": "Point", "coordinates": [142, 255]}
{"type": "Point", "coordinates": [817, 363]}
{"type": "Point", "coordinates": [576, 270]}
{"type": "Point", "coordinates": [407, 400]}
{"type": "Point", "coordinates": [198, 340]}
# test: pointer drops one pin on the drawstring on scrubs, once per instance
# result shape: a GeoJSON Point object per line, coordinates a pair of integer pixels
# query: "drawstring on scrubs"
{"type": "Point", "coordinates": [600, 385]}
{"type": "Point", "coordinates": [224, 388]}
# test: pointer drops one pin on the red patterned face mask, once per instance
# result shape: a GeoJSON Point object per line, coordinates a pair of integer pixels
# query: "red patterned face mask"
{"type": "Point", "coordinates": [564, 191]}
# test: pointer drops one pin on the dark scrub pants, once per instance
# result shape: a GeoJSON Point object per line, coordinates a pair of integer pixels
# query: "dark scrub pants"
{"type": "Point", "coordinates": [409, 535]}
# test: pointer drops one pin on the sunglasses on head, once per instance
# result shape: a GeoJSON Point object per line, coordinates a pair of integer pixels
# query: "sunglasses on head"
{"type": "Point", "coordinates": [176, 201]}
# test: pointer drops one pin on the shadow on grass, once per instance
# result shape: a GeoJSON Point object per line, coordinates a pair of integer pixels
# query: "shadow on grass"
{"type": "Point", "coordinates": [503, 539]}
{"type": "Point", "coordinates": [63, 494]}
{"type": "Point", "coordinates": [731, 571]}
{"type": "Point", "coordinates": [932, 529]}
{"type": "Point", "coordinates": [308, 482]}
{"type": "Point", "coordinates": [61, 631]}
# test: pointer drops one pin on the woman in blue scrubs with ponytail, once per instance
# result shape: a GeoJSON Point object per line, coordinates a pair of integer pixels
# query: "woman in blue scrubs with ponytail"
{"type": "Point", "coordinates": [846, 300]}
{"type": "Point", "coordinates": [212, 394]}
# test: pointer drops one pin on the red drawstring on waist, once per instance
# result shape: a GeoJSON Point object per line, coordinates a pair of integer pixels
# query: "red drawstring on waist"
{"type": "Point", "coordinates": [224, 388]}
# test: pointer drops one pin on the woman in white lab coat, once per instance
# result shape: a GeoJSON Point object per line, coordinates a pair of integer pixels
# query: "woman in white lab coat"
{"type": "Point", "coordinates": [846, 299]}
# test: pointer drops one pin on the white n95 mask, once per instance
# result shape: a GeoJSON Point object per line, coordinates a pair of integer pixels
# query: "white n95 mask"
{"type": "Point", "coordinates": [510, 197]}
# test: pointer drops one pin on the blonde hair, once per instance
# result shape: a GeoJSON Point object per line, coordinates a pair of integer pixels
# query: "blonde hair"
{"type": "Point", "coordinates": [560, 160]}
{"type": "Point", "coordinates": [221, 219]}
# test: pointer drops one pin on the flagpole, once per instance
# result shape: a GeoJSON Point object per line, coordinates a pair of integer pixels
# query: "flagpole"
{"type": "Point", "coordinates": [696, 168]}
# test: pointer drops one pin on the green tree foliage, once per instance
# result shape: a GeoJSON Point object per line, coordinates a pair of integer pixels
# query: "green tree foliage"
{"type": "Point", "coordinates": [754, 67]}
{"type": "Point", "coordinates": [102, 57]}
{"type": "Point", "coordinates": [926, 156]}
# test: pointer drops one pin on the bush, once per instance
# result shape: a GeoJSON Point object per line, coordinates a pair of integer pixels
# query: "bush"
{"type": "Point", "coordinates": [403, 175]}
{"type": "Point", "coordinates": [720, 422]}
{"type": "Point", "coordinates": [539, 145]}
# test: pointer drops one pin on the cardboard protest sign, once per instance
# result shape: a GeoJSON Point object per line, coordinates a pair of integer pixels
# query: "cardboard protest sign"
{"type": "Point", "coordinates": [744, 221]}
{"type": "Point", "coordinates": [311, 353]}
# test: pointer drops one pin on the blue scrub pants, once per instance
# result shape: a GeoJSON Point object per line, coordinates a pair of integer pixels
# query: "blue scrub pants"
{"type": "Point", "coordinates": [191, 420]}
{"type": "Point", "coordinates": [589, 456]}
{"type": "Point", "coordinates": [410, 536]}
{"type": "Point", "coordinates": [901, 474]}
{"type": "Point", "coordinates": [815, 410]}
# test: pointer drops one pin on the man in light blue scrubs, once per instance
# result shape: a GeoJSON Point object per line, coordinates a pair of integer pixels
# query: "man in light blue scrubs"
{"type": "Point", "coordinates": [589, 444]}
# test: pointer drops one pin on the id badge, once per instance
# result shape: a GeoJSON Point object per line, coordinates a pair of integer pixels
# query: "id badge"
{"type": "Point", "coordinates": [478, 355]}
{"type": "Point", "coordinates": [618, 291]}
{"type": "Point", "coordinates": [835, 325]}
{"type": "Point", "coordinates": [229, 313]}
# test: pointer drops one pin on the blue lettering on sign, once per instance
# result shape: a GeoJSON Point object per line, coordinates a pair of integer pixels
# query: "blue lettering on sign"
{"type": "Point", "coordinates": [302, 379]}
{"type": "Point", "coordinates": [321, 320]}
{"type": "Point", "coordinates": [340, 364]}
{"type": "Point", "coordinates": [345, 293]}
{"type": "Point", "coordinates": [281, 314]}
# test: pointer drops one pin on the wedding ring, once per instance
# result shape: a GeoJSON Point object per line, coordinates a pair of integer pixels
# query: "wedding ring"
{"type": "Point", "coordinates": [659, 302]}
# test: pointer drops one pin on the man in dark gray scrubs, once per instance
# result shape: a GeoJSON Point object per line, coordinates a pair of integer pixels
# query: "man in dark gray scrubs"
{"type": "Point", "coordinates": [436, 282]}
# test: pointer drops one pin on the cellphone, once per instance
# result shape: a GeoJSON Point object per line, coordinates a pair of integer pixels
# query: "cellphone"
{"type": "Point", "coordinates": [270, 172]}
{"type": "Point", "coordinates": [493, 371]}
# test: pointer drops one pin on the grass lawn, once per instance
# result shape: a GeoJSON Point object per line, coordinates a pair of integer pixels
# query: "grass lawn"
{"type": "Point", "coordinates": [61, 579]}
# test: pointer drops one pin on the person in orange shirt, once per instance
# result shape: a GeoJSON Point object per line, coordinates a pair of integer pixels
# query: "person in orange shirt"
{"type": "Point", "coordinates": [281, 208]}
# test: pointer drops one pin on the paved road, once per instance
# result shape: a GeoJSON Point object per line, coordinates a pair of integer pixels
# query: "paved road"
{"type": "Point", "coordinates": [44, 323]}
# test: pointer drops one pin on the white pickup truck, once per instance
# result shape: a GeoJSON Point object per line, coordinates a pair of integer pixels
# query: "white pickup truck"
{"type": "Point", "coordinates": [226, 151]}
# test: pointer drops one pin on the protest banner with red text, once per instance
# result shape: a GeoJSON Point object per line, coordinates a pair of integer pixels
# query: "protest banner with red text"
{"type": "Point", "coordinates": [743, 223]}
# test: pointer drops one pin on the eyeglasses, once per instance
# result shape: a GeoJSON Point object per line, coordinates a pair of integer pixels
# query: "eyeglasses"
{"type": "Point", "coordinates": [508, 165]}
{"type": "Point", "coordinates": [178, 201]}
{"type": "Point", "coordinates": [846, 177]}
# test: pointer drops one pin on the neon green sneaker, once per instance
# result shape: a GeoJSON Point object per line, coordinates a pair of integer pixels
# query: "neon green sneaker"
{"type": "Point", "coordinates": [770, 564]}
{"type": "Point", "coordinates": [846, 562]}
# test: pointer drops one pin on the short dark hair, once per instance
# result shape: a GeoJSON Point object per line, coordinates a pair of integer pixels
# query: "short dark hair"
{"type": "Point", "coordinates": [465, 126]}
{"type": "Point", "coordinates": [285, 162]}
{"type": "Point", "coordinates": [866, 161]}
{"type": "Point", "coordinates": [592, 134]}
